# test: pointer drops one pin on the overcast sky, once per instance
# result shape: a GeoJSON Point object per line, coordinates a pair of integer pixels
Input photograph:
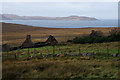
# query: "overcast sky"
{"type": "Point", "coordinates": [100, 10]}
{"type": "Point", "coordinates": [59, 0]}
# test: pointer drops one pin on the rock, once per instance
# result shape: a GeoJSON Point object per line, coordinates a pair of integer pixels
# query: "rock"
{"type": "Point", "coordinates": [70, 51]}
{"type": "Point", "coordinates": [62, 55]}
{"type": "Point", "coordinates": [88, 54]}
{"type": "Point", "coordinates": [71, 54]}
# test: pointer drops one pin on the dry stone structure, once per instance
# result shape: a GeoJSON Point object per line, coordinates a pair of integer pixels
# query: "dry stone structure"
{"type": "Point", "coordinates": [51, 40]}
{"type": "Point", "coordinates": [27, 43]}
{"type": "Point", "coordinates": [5, 48]}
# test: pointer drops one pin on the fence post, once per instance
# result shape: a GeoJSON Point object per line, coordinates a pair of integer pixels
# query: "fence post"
{"type": "Point", "coordinates": [34, 51]}
{"type": "Point", "coordinates": [15, 56]}
{"type": "Point", "coordinates": [119, 47]}
{"type": "Point", "coordinates": [107, 49]}
{"type": "Point", "coordinates": [53, 50]}
{"type": "Point", "coordinates": [98, 48]}
{"type": "Point", "coordinates": [28, 52]}
{"type": "Point", "coordinates": [79, 51]}
{"type": "Point", "coordinates": [7, 54]}
{"type": "Point", "coordinates": [41, 55]}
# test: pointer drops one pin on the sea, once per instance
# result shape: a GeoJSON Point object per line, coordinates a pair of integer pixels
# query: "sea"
{"type": "Point", "coordinates": [66, 24]}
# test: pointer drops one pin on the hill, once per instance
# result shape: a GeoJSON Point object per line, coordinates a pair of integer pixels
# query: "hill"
{"type": "Point", "coordinates": [16, 17]}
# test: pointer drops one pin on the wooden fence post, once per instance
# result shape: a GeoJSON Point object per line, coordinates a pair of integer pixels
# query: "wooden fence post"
{"type": "Point", "coordinates": [99, 47]}
{"type": "Point", "coordinates": [107, 49]}
{"type": "Point", "coordinates": [79, 51]}
{"type": "Point", "coordinates": [41, 55]}
{"type": "Point", "coordinates": [15, 56]}
{"type": "Point", "coordinates": [34, 51]}
{"type": "Point", "coordinates": [119, 47]}
{"type": "Point", "coordinates": [28, 52]}
{"type": "Point", "coordinates": [53, 50]}
{"type": "Point", "coordinates": [7, 54]}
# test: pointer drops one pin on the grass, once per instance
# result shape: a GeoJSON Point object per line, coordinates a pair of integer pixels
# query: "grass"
{"type": "Point", "coordinates": [70, 67]}
{"type": "Point", "coordinates": [69, 48]}
{"type": "Point", "coordinates": [100, 66]}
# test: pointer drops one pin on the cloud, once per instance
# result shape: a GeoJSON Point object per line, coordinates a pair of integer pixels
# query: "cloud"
{"type": "Point", "coordinates": [104, 10]}
{"type": "Point", "coordinates": [59, 0]}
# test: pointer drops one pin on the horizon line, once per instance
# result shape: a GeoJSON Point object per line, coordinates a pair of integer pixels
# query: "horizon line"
{"type": "Point", "coordinates": [52, 16]}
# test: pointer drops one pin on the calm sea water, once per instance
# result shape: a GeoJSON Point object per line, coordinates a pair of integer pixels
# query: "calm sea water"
{"type": "Point", "coordinates": [65, 24]}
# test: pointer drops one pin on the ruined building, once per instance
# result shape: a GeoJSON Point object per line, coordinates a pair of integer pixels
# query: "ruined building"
{"type": "Point", "coordinates": [51, 40]}
{"type": "Point", "coordinates": [27, 43]}
{"type": "Point", "coordinates": [5, 48]}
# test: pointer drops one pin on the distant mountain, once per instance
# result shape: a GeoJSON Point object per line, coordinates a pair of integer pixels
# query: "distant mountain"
{"type": "Point", "coordinates": [70, 18]}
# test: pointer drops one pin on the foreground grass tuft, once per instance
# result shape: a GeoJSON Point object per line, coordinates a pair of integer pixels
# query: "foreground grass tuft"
{"type": "Point", "coordinates": [61, 68]}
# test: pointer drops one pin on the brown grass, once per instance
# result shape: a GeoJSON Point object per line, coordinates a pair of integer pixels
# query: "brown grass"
{"type": "Point", "coordinates": [16, 33]}
{"type": "Point", "coordinates": [61, 68]}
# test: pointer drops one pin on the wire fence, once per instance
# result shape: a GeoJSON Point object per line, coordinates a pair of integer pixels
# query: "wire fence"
{"type": "Point", "coordinates": [65, 50]}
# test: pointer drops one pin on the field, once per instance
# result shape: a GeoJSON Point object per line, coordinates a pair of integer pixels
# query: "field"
{"type": "Point", "coordinates": [62, 67]}
{"type": "Point", "coordinates": [15, 34]}
{"type": "Point", "coordinates": [87, 61]}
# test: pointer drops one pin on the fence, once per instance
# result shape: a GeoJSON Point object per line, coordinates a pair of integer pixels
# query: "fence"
{"type": "Point", "coordinates": [104, 49]}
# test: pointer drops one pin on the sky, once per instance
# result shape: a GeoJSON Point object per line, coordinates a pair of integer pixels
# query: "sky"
{"type": "Point", "coordinates": [59, 0]}
{"type": "Point", "coordinates": [99, 10]}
